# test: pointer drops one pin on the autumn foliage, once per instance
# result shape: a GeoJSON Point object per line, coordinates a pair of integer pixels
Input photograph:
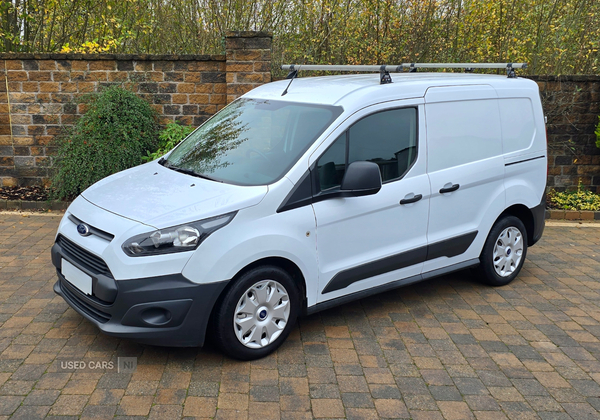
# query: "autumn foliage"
{"type": "Point", "coordinates": [553, 36]}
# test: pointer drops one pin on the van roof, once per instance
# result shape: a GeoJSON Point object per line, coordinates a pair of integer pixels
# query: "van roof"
{"type": "Point", "coordinates": [365, 88]}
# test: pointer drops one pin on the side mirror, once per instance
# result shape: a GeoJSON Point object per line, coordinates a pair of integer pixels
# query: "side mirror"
{"type": "Point", "coordinates": [361, 178]}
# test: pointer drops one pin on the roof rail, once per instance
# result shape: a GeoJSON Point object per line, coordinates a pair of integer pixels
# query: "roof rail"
{"type": "Point", "coordinates": [385, 70]}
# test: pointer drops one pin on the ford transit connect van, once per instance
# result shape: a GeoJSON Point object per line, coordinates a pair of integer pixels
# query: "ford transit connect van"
{"type": "Point", "coordinates": [281, 206]}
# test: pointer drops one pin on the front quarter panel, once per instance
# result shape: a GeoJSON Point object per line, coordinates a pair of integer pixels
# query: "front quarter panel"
{"type": "Point", "coordinates": [256, 233]}
{"type": "Point", "coordinates": [121, 266]}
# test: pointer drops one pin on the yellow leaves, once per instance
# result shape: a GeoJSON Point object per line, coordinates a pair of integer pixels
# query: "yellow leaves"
{"type": "Point", "coordinates": [91, 47]}
{"type": "Point", "coordinates": [66, 49]}
{"type": "Point", "coordinates": [555, 36]}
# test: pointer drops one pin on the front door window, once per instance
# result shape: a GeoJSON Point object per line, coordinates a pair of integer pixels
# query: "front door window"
{"type": "Point", "coordinates": [387, 138]}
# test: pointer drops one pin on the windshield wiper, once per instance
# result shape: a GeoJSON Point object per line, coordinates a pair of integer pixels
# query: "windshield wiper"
{"type": "Point", "coordinates": [191, 172]}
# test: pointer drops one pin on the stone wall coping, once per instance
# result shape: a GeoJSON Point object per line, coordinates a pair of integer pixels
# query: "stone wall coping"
{"type": "Point", "coordinates": [117, 57]}
{"type": "Point", "coordinates": [248, 34]}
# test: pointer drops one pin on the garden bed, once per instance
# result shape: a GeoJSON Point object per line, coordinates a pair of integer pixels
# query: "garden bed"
{"type": "Point", "coordinates": [580, 204]}
{"type": "Point", "coordinates": [24, 193]}
{"type": "Point", "coordinates": [29, 198]}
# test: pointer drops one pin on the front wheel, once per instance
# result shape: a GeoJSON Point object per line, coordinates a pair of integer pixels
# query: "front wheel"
{"type": "Point", "coordinates": [504, 252]}
{"type": "Point", "coordinates": [257, 313]}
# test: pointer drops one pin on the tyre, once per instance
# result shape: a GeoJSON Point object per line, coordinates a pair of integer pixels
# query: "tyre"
{"type": "Point", "coordinates": [257, 313]}
{"type": "Point", "coordinates": [504, 252]}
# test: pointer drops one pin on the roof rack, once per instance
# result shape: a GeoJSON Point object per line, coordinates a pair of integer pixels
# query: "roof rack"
{"type": "Point", "coordinates": [385, 70]}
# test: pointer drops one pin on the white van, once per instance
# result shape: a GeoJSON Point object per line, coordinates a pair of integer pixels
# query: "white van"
{"type": "Point", "coordinates": [281, 206]}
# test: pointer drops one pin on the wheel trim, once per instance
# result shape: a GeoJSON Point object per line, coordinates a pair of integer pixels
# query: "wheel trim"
{"type": "Point", "coordinates": [508, 251]}
{"type": "Point", "coordinates": [261, 314]}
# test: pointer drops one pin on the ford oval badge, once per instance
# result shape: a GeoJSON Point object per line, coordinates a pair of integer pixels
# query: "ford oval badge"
{"type": "Point", "coordinates": [83, 229]}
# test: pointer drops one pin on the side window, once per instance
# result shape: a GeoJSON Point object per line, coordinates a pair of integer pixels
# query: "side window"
{"type": "Point", "coordinates": [387, 138]}
{"type": "Point", "coordinates": [332, 164]}
{"type": "Point", "coordinates": [518, 124]}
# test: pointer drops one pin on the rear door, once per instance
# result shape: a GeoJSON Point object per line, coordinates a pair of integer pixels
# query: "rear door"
{"type": "Point", "coordinates": [466, 171]}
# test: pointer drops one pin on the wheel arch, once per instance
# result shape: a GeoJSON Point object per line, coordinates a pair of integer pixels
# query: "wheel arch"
{"type": "Point", "coordinates": [524, 214]}
{"type": "Point", "coordinates": [289, 266]}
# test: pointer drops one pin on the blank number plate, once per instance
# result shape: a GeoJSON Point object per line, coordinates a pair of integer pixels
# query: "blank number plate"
{"type": "Point", "coordinates": [76, 277]}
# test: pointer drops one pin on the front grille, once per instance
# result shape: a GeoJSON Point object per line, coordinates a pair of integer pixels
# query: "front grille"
{"type": "Point", "coordinates": [83, 257]}
{"type": "Point", "coordinates": [93, 230]}
{"type": "Point", "coordinates": [80, 303]}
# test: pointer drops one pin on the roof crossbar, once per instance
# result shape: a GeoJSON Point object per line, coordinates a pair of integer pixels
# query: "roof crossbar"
{"type": "Point", "coordinates": [384, 70]}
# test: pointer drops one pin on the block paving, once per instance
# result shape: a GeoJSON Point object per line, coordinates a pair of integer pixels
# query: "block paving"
{"type": "Point", "coordinates": [449, 348]}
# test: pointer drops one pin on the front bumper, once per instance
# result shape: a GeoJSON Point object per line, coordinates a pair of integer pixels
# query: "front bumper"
{"type": "Point", "coordinates": [165, 310]}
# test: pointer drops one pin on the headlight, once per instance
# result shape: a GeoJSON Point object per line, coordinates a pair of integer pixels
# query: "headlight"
{"type": "Point", "coordinates": [180, 238]}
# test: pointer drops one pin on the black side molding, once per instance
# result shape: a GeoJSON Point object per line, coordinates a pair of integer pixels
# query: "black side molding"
{"type": "Point", "coordinates": [451, 247]}
{"type": "Point", "coordinates": [345, 278]}
{"type": "Point", "coordinates": [389, 286]}
{"type": "Point", "coordinates": [447, 248]}
{"type": "Point", "coordinates": [525, 160]}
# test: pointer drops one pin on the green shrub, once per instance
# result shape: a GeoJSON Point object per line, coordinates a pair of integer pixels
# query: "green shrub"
{"type": "Point", "coordinates": [114, 134]}
{"type": "Point", "coordinates": [581, 199]}
{"type": "Point", "coordinates": [168, 138]}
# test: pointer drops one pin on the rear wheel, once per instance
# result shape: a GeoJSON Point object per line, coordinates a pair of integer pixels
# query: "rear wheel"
{"type": "Point", "coordinates": [504, 252]}
{"type": "Point", "coordinates": [257, 313]}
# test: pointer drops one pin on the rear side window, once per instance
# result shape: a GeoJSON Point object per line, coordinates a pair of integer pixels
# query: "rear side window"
{"type": "Point", "coordinates": [462, 132]}
{"type": "Point", "coordinates": [518, 126]}
{"type": "Point", "coordinates": [387, 138]}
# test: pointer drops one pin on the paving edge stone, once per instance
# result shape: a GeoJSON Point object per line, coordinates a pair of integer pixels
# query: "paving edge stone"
{"type": "Point", "coordinates": [33, 205]}
{"type": "Point", "coordinates": [572, 215]}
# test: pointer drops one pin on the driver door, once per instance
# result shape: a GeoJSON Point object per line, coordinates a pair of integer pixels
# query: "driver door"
{"type": "Point", "coordinates": [364, 242]}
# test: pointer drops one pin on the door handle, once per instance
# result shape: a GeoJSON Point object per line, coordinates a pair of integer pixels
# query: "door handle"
{"type": "Point", "coordinates": [411, 200]}
{"type": "Point", "coordinates": [454, 187]}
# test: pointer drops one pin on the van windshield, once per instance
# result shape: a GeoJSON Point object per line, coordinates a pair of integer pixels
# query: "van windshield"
{"type": "Point", "coordinates": [252, 141]}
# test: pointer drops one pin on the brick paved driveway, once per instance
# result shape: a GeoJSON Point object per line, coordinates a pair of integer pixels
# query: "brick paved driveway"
{"type": "Point", "coordinates": [448, 348]}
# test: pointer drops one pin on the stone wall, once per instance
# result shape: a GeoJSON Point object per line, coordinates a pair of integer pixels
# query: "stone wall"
{"type": "Point", "coordinates": [248, 61]}
{"type": "Point", "coordinates": [43, 93]}
{"type": "Point", "coordinates": [572, 106]}
{"type": "Point", "coordinates": [44, 89]}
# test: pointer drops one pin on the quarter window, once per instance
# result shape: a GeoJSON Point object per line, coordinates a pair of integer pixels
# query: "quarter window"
{"type": "Point", "coordinates": [387, 138]}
